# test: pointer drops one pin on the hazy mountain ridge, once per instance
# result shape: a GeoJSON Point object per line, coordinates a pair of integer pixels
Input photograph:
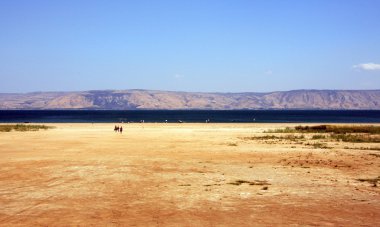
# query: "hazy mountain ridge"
{"type": "Point", "coordinates": [145, 99]}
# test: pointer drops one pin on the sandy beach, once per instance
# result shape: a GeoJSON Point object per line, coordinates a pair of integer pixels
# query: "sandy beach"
{"type": "Point", "coordinates": [184, 175]}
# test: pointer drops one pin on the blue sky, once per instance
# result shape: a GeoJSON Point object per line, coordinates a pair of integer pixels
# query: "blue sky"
{"type": "Point", "coordinates": [197, 45]}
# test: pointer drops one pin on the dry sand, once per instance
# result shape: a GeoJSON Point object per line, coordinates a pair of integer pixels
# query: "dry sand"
{"type": "Point", "coordinates": [183, 175]}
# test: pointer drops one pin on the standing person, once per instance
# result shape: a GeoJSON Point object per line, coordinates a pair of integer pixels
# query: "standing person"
{"type": "Point", "coordinates": [121, 129]}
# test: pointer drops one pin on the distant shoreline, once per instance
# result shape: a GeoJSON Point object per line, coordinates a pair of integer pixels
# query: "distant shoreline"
{"type": "Point", "coordinates": [165, 100]}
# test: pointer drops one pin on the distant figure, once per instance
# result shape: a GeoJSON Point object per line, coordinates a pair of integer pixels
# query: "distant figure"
{"type": "Point", "coordinates": [121, 129]}
{"type": "Point", "coordinates": [116, 129]}
{"type": "Point", "coordinates": [166, 121]}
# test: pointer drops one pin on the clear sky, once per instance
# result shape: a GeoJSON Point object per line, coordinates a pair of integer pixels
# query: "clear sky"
{"type": "Point", "coordinates": [189, 45]}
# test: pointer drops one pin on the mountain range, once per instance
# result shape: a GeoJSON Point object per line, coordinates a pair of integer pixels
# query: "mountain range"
{"type": "Point", "coordinates": [148, 99]}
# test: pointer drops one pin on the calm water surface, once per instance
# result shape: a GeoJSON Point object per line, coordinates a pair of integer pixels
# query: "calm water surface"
{"type": "Point", "coordinates": [219, 116]}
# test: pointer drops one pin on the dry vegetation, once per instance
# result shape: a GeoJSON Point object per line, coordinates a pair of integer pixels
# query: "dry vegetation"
{"type": "Point", "coordinates": [352, 133]}
{"type": "Point", "coordinates": [372, 181]}
{"type": "Point", "coordinates": [339, 129]}
{"type": "Point", "coordinates": [255, 182]}
{"type": "Point", "coordinates": [23, 127]}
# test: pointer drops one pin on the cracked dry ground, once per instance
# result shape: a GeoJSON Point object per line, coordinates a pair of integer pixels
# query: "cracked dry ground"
{"type": "Point", "coordinates": [182, 175]}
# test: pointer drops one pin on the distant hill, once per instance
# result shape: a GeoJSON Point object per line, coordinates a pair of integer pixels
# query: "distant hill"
{"type": "Point", "coordinates": [145, 99]}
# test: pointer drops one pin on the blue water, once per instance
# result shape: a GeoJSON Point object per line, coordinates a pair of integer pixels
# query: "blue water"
{"type": "Point", "coordinates": [219, 116]}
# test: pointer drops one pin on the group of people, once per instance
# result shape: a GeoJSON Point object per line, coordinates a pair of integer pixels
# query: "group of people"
{"type": "Point", "coordinates": [118, 129]}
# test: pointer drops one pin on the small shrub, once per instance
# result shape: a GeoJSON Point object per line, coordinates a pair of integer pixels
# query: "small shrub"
{"type": "Point", "coordinates": [255, 182]}
{"type": "Point", "coordinates": [293, 137]}
{"type": "Point", "coordinates": [281, 130]}
{"type": "Point", "coordinates": [260, 138]}
{"type": "Point", "coordinates": [372, 181]}
{"type": "Point", "coordinates": [23, 127]}
{"type": "Point", "coordinates": [5, 128]}
{"type": "Point", "coordinates": [318, 128]}
{"type": "Point", "coordinates": [318, 137]}
{"type": "Point", "coordinates": [320, 145]}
